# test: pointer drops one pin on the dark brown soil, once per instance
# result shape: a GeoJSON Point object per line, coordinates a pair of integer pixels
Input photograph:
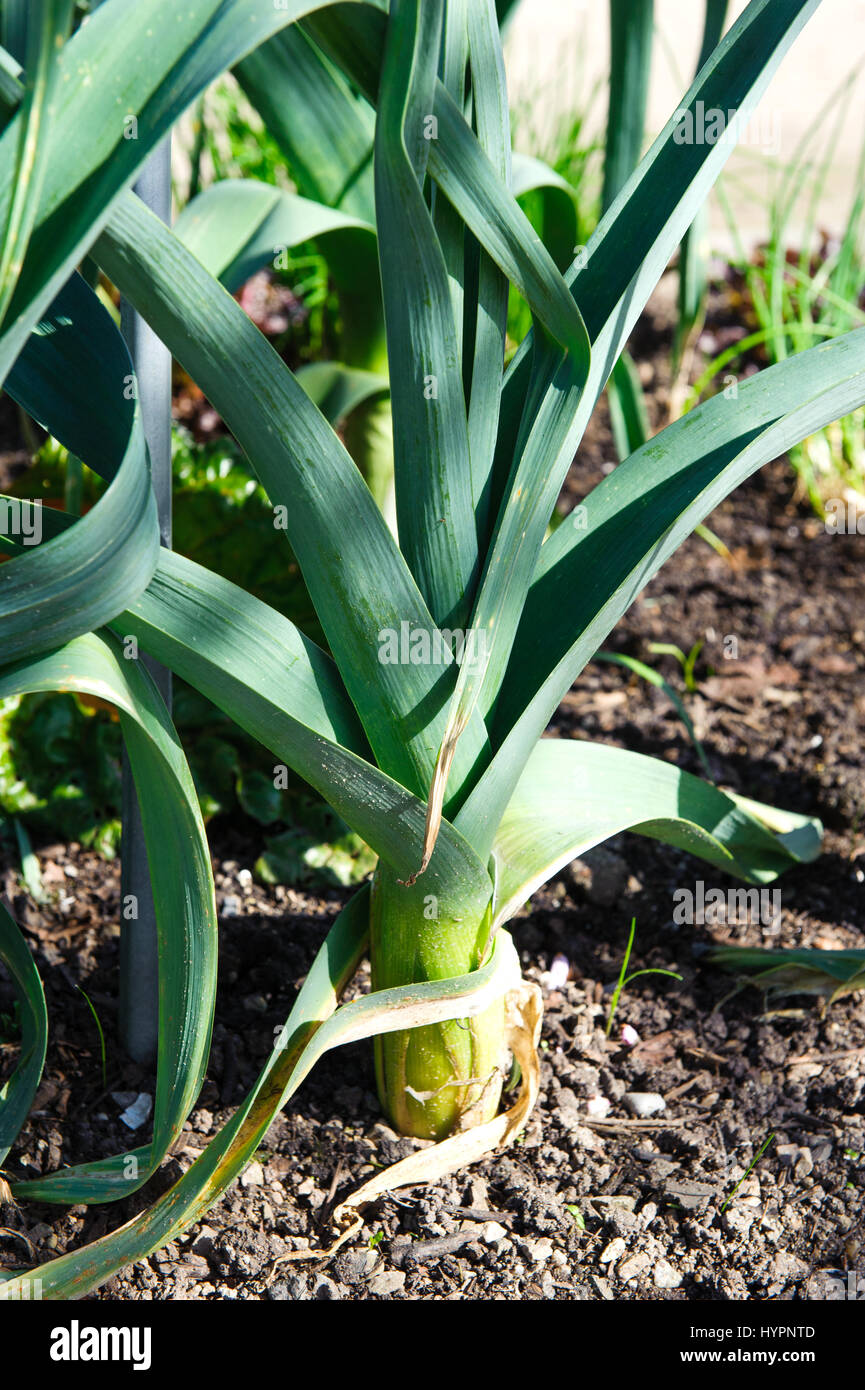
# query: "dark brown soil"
{"type": "Point", "coordinates": [578, 1208]}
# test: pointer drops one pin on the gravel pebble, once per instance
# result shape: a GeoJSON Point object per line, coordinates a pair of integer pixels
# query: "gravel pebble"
{"type": "Point", "coordinates": [643, 1104]}
{"type": "Point", "coordinates": [325, 1290]}
{"type": "Point", "coordinates": [665, 1276]}
{"type": "Point", "coordinates": [387, 1283]}
{"type": "Point", "coordinates": [633, 1267]}
{"type": "Point", "coordinates": [492, 1232]}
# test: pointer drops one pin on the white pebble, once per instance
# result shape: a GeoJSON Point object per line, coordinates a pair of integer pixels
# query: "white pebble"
{"type": "Point", "coordinates": [558, 972]}
{"type": "Point", "coordinates": [598, 1107]}
{"type": "Point", "coordinates": [492, 1232]}
{"type": "Point", "coordinates": [613, 1251]}
{"type": "Point", "coordinates": [665, 1276]}
{"type": "Point", "coordinates": [644, 1103]}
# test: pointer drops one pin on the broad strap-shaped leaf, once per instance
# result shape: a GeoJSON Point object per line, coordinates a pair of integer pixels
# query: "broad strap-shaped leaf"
{"type": "Point", "coordinates": [432, 470]}
{"type": "Point", "coordinates": [558, 201]}
{"type": "Point", "coordinates": [650, 503]}
{"type": "Point", "coordinates": [182, 892]}
{"type": "Point", "coordinates": [458, 164]}
{"type": "Point", "coordinates": [631, 33]}
{"type": "Point", "coordinates": [794, 970]}
{"type": "Point", "coordinates": [485, 329]}
{"type": "Point", "coordinates": [631, 37]}
{"type": "Point", "coordinates": [453, 73]}
{"type": "Point", "coordinates": [313, 1027]}
{"type": "Point", "coordinates": [573, 795]}
{"type": "Point", "coordinates": [276, 684]}
{"type": "Point", "coordinates": [625, 258]}
{"type": "Point", "coordinates": [522, 521]}
{"type": "Point", "coordinates": [14, 25]}
{"type": "Point", "coordinates": [692, 267]}
{"type": "Point", "coordinates": [16, 1095]}
{"type": "Point", "coordinates": [48, 25]}
{"type": "Point", "coordinates": [323, 125]}
{"type": "Point", "coordinates": [337, 390]}
{"type": "Point", "coordinates": [76, 378]}
{"type": "Point", "coordinates": [470, 182]}
{"type": "Point", "coordinates": [363, 588]}
{"type": "Point", "coordinates": [239, 225]}
{"type": "Point", "coordinates": [185, 50]}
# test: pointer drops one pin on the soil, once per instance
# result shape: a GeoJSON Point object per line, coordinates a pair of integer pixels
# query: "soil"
{"type": "Point", "coordinates": [749, 1184]}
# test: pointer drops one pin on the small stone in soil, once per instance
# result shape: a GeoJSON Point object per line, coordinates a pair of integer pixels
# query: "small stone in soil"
{"type": "Point", "coordinates": [633, 1267]}
{"type": "Point", "coordinates": [325, 1289]}
{"type": "Point", "coordinates": [665, 1276]}
{"type": "Point", "coordinates": [493, 1231]}
{"type": "Point", "coordinates": [292, 1289]}
{"type": "Point", "coordinates": [643, 1104]}
{"type": "Point", "coordinates": [386, 1284]}
{"type": "Point", "coordinates": [355, 1265]}
{"type": "Point", "coordinates": [693, 1196]}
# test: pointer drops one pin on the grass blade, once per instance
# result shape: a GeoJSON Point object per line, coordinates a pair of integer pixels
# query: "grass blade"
{"type": "Point", "coordinates": [647, 673]}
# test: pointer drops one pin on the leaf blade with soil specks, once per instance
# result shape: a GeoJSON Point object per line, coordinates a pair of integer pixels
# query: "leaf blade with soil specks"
{"type": "Point", "coordinates": [572, 795]}
{"type": "Point", "coordinates": [831, 974]}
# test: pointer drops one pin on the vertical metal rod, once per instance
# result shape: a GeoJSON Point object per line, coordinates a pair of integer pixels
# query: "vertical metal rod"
{"type": "Point", "coordinates": [139, 973]}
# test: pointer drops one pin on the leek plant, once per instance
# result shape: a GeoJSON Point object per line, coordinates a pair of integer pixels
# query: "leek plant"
{"type": "Point", "coordinates": [449, 650]}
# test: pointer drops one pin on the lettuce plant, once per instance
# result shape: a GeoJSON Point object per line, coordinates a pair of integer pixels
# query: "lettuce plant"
{"type": "Point", "coordinates": [449, 650]}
